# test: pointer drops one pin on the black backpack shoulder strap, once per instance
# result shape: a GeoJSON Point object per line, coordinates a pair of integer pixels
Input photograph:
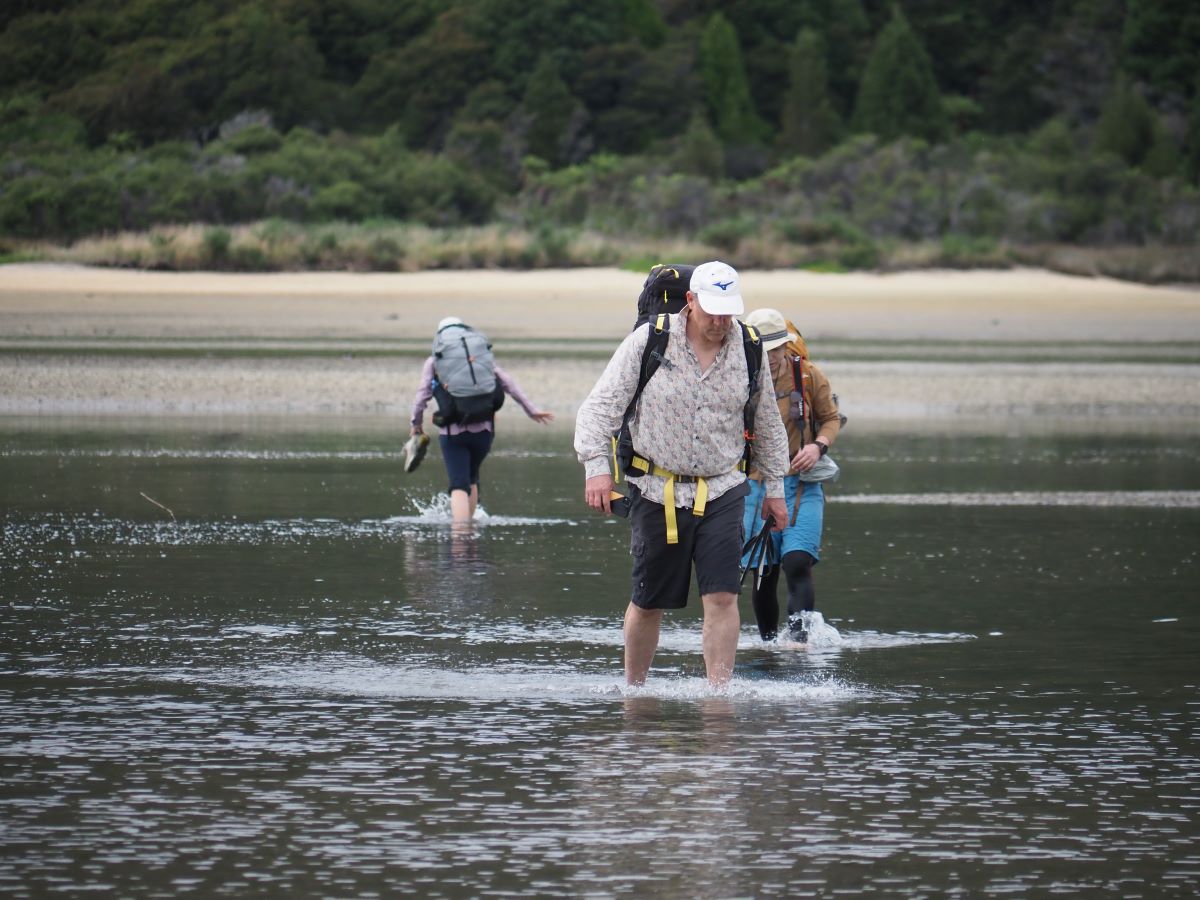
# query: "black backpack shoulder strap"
{"type": "Point", "coordinates": [654, 353]}
{"type": "Point", "coordinates": [752, 347]}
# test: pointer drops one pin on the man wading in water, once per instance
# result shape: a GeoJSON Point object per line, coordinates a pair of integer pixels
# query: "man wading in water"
{"type": "Point", "coordinates": [687, 480]}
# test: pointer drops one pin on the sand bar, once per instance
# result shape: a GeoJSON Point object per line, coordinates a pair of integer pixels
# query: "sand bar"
{"type": "Point", "coordinates": [65, 301]}
{"type": "Point", "coordinates": [46, 310]}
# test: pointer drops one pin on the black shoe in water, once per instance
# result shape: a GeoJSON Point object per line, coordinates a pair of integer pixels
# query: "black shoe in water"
{"type": "Point", "coordinates": [796, 631]}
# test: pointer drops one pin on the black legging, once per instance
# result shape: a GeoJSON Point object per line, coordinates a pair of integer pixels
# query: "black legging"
{"type": "Point", "coordinates": [802, 597]}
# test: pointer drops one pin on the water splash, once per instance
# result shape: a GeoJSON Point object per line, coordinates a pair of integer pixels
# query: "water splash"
{"type": "Point", "coordinates": [364, 678]}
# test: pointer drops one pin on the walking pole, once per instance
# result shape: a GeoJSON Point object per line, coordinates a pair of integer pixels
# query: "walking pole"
{"type": "Point", "coordinates": [758, 545]}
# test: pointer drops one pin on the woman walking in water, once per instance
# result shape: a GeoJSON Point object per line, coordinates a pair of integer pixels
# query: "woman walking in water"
{"type": "Point", "coordinates": [469, 387]}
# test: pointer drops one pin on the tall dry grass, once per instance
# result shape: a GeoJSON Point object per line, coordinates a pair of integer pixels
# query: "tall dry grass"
{"type": "Point", "coordinates": [277, 246]}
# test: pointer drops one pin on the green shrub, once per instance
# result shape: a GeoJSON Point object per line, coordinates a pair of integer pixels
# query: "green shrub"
{"type": "Point", "coordinates": [726, 234]}
{"type": "Point", "coordinates": [256, 138]}
{"type": "Point", "coordinates": [345, 200]}
{"type": "Point", "coordinates": [250, 258]}
{"type": "Point", "coordinates": [820, 229]}
{"type": "Point", "coordinates": [962, 250]}
{"type": "Point", "coordinates": [216, 245]}
{"type": "Point", "coordinates": [385, 254]}
{"type": "Point", "coordinates": [861, 255]}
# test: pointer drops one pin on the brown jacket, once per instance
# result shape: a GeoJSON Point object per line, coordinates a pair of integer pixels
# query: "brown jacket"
{"type": "Point", "coordinates": [824, 410]}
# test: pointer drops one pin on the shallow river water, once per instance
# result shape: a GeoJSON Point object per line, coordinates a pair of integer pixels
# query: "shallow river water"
{"type": "Point", "coordinates": [236, 662]}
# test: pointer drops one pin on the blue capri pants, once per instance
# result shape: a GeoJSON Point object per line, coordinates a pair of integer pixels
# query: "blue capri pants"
{"type": "Point", "coordinates": [805, 533]}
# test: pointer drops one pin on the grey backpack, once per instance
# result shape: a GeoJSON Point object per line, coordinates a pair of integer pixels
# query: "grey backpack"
{"type": "Point", "coordinates": [465, 385]}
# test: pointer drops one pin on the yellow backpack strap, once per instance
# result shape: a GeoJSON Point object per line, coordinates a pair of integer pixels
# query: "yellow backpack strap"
{"type": "Point", "coordinates": [660, 320]}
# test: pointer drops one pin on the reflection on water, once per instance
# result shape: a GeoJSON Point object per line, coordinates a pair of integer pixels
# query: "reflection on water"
{"type": "Point", "coordinates": [311, 682]}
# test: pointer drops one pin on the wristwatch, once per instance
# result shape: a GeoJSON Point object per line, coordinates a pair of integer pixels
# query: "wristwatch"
{"type": "Point", "coordinates": [824, 447]}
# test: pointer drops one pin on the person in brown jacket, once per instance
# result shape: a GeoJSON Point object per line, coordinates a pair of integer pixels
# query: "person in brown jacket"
{"type": "Point", "coordinates": [812, 420]}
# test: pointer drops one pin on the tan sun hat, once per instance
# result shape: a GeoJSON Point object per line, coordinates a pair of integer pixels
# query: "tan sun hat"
{"type": "Point", "coordinates": [772, 327]}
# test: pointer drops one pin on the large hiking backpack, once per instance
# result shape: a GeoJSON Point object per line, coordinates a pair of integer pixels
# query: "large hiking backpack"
{"type": "Point", "coordinates": [465, 385]}
{"type": "Point", "coordinates": [800, 405]}
{"type": "Point", "coordinates": [665, 291]}
{"type": "Point", "coordinates": [652, 357]}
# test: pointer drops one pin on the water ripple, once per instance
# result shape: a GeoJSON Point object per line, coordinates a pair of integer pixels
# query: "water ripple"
{"type": "Point", "coordinates": [1143, 499]}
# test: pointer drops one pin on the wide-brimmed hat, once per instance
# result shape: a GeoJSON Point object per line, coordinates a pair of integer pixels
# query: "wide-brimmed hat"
{"type": "Point", "coordinates": [772, 327]}
{"type": "Point", "coordinates": [718, 289]}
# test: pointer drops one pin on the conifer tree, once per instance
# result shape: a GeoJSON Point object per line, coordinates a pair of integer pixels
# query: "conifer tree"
{"type": "Point", "coordinates": [700, 152]}
{"type": "Point", "coordinates": [1191, 141]}
{"type": "Point", "coordinates": [643, 20]}
{"type": "Point", "coordinates": [726, 88]}
{"type": "Point", "coordinates": [898, 94]}
{"type": "Point", "coordinates": [1127, 124]}
{"type": "Point", "coordinates": [843, 25]}
{"type": "Point", "coordinates": [1162, 44]}
{"type": "Point", "coordinates": [809, 123]}
{"type": "Point", "coordinates": [549, 104]}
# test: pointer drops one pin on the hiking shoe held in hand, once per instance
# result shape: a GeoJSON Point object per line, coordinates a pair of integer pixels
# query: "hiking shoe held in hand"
{"type": "Point", "coordinates": [414, 451]}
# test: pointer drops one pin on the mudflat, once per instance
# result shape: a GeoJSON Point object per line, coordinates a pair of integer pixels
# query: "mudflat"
{"type": "Point", "coordinates": [981, 346]}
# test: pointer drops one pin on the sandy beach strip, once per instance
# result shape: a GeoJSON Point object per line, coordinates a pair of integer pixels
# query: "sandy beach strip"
{"type": "Point", "coordinates": [66, 301]}
{"type": "Point", "coordinates": [58, 325]}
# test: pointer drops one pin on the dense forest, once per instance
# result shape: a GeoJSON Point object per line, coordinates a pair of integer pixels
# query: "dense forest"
{"type": "Point", "coordinates": [839, 133]}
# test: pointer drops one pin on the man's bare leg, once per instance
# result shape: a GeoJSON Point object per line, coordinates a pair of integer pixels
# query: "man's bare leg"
{"type": "Point", "coordinates": [722, 625]}
{"type": "Point", "coordinates": [641, 640]}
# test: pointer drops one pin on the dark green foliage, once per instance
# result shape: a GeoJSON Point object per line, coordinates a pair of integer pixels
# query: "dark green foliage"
{"type": "Point", "coordinates": [700, 151]}
{"type": "Point", "coordinates": [550, 108]}
{"type": "Point", "coordinates": [345, 200]}
{"type": "Point", "coordinates": [634, 96]}
{"type": "Point", "coordinates": [1192, 139]}
{"type": "Point", "coordinates": [810, 125]}
{"type": "Point", "coordinates": [1009, 90]}
{"type": "Point", "coordinates": [663, 116]}
{"type": "Point", "coordinates": [487, 102]}
{"type": "Point", "coordinates": [643, 22]}
{"type": "Point", "coordinates": [50, 50]}
{"type": "Point", "coordinates": [1127, 125]}
{"type": "Point", "coordinates": [843, 26]}
{"type": "Point", "coordinates": [484, 148]}
{"type": "Point", "coordinates": [520, 33]}
{"type": "Point", "coordinates": [1162, 44]}
{"type": "Point", "coordinates": [898, 95]}
{"type": "Point", "coordinates": [421, 84]}
{"type": "Point", "coordinates": [726, 91]}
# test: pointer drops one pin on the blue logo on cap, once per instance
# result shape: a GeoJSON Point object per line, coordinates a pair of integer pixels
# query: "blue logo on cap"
{"type": "Point", "coordinates": [723, 285]}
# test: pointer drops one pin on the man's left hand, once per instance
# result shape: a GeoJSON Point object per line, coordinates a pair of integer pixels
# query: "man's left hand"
{"type": "Point", "coordinates": [774, 506]}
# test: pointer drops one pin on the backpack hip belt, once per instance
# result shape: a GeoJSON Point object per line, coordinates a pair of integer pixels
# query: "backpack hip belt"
{"type": "Point", "coordinates": [670, 480]}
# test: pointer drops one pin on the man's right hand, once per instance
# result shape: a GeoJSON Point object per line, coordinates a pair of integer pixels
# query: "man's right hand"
{"type": "Point", "coordinates": [597, 491]}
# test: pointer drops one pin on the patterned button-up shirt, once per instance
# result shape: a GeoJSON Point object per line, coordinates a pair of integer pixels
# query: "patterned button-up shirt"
{"type": "Point", "coordinates": [688, 420]}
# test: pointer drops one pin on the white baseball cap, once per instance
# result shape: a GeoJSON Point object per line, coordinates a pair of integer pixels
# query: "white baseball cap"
{"type": "Point", "coordinates": [718, 289]}
{"type": "Point", "coordinates": [450, 320]}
